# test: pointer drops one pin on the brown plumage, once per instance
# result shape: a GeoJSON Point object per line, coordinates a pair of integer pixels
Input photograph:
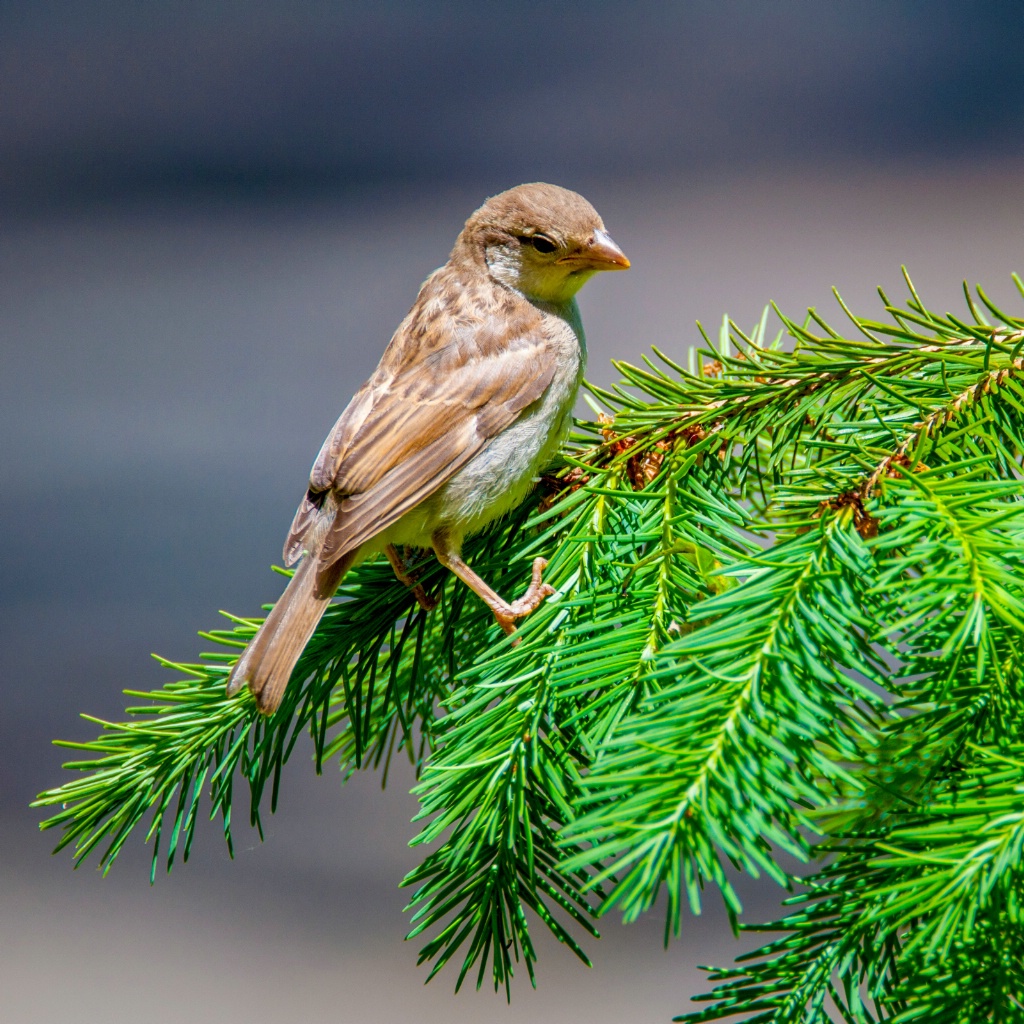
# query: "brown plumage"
{"type": "Point", "coordinates": [470, 399]}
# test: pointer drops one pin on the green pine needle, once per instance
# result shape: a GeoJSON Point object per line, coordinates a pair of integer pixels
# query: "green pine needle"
{"type": "Point", "coordinates": [788, 622]}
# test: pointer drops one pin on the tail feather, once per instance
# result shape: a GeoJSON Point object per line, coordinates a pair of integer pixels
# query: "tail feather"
{"type": "Point", "coordinates": [266, 664]}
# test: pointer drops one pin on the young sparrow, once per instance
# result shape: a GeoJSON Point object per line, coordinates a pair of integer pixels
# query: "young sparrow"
{"type": "Point", "coordinates": [471, 399]}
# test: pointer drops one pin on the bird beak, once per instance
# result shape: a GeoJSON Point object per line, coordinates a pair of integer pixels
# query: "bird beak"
{"type": "Point", "coordinates": [600, 254]}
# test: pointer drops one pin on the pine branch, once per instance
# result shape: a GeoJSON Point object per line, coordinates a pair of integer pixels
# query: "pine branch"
{"type": "Point", "coordinates": [788, 606]}
{"type": "Point", "coordinates": [759, 710]}
{"type": "Point", "coordinates": [506, 775]}
{"type": "Point", "coordinates": [884, 932]}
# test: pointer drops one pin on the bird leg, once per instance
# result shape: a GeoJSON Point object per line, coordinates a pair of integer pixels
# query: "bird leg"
{"type": "Point", "coordinates": [423, 599]}
{"type": "Point", "coordinates": [505, 612]}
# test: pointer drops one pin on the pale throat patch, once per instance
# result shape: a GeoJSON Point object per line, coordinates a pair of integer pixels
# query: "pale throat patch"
{"type": "Point", "coordinates": [543, 282]}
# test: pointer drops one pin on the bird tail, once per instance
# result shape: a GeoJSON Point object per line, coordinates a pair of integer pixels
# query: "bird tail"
{"type": "Point", "coordinates": [266, 664]}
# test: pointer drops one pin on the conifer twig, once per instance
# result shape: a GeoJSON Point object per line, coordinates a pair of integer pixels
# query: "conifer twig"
{"type": "Point", "coordinates": [788, 619]}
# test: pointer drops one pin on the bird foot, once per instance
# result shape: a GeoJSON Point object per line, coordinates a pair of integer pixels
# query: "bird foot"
{"type": "Point", "coordinates": [423, 599]}
{"type": "Point", "coordinates": [535, 594]}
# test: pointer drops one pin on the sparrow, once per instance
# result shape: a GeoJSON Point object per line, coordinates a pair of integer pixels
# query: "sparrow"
{"type": "Point", "coordinates": [472, 398]}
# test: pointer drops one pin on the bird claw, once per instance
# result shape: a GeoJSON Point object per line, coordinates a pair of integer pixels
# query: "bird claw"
{"type": "Point", "coordinates": [535, 595]}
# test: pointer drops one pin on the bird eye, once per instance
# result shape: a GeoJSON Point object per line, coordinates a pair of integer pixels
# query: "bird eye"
{"type": "Point", "coordinates": [541, 243]}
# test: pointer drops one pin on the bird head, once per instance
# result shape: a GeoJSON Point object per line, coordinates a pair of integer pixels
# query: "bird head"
{"type": "Point", "coordinates": [541, 240]}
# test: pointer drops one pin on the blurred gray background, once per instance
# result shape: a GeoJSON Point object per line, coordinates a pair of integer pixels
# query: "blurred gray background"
{"type": "Point", "coordinates": [213, 214]}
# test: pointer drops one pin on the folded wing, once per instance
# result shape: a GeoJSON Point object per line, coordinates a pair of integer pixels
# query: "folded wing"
{"type": "Point", "coordinates": [413, 426]}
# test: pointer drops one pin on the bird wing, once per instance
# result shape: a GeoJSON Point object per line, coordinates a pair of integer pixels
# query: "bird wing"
{"type": "Point", "coordinates": [446, 385]}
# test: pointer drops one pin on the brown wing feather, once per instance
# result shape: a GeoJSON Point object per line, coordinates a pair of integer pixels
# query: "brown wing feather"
{"type": "Point", "coordinates": [325, 468]}
{"type": "Point", "coordinates": [339, 440]}
{"type": "Point", "coordinates": [461, 367]}
{"type": "Point", "coordinates": [365, 513]}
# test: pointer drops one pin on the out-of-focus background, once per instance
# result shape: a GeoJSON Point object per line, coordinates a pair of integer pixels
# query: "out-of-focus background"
{"type": "Point", "coordinates": [213, 214]}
